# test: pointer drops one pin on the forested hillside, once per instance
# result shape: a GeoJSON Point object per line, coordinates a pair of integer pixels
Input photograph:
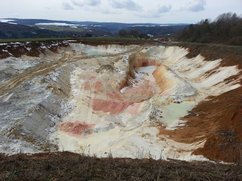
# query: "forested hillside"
{"type": "Point", "coordinates": [227, 29]}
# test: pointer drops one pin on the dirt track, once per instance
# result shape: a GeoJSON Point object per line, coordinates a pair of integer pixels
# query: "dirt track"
{"type": "Point", "coordinates": [32, 72]}
{"type": "Point", "coordinates": [45, 68]}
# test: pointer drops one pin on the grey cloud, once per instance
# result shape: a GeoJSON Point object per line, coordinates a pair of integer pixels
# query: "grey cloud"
{"type": "Point", "coordinates": [197, 5]}
{"type": "Point", "coordinates": [126, 4]}
{"type": "Point", "coordinates": [164, 9]}
{"type": "Point", "coordinates": [156, 13]}
{"type": "Point", "coordinates": [93, 2]}
{"type": "Point", "coordinates": [77, 3]}
{"type": "Point", "coordinates": [86, 3]}
{"type": "Point", "coordinates": [67, 6]}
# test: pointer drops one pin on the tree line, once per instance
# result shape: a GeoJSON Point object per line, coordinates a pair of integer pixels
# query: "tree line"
{"type": "Point", "coordinates": [226, 28]}
{"type": "Point", "coordinates": [132, 34]}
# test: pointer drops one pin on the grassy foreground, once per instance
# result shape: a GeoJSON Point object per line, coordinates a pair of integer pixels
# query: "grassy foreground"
{"type": "Point", "coordinates": [70, 166]}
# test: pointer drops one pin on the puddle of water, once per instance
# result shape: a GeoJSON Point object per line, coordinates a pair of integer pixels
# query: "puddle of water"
{"type": "Point", "coordinates": [172, 112]}
{"type": "Point", "coordinates": [147, 69]}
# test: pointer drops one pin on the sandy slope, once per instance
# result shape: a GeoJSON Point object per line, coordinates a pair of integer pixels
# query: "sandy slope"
{"type": "Point", "coordinates": [121, 102]}
{"type": "Point", "coordinates": [129, 101]}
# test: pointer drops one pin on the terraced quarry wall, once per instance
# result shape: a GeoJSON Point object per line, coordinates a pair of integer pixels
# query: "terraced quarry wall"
{"type": "Point", "coordinates": [126, 101]}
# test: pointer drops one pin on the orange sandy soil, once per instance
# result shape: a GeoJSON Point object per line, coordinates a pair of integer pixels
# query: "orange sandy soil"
{"type": "Point", "coordinates": [70, 166]}
{"type": "Point", "coordinates": [218, 120]}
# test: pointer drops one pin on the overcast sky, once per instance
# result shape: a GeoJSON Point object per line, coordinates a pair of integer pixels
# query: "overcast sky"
{"type": "Point", "coordinates": [130, 11]}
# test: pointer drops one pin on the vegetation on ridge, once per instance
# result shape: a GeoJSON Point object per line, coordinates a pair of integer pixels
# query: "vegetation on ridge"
{"type": "Point", "coordinates": [226, 29]}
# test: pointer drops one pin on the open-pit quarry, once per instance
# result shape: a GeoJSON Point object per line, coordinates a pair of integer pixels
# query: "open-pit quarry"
{"type": "Point", "coordinates": [126, 101]}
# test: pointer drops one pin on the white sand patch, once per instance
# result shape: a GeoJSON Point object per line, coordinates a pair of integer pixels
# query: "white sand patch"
{"type": "Point", "coordinates": [100, 50]}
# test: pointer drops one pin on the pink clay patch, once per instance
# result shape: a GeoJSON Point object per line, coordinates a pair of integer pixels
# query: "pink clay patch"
{"type": "Point", "coordinates": [115, 95]}
{"type": "Point", "coordinates": [111, 106]}
{"type": "Point", "coordinates": [134, 109]}
{"type": "Point", "coordinates": [97, 86]}
{"type": "Point", "coordinates": [75, 128]}
{"type": "Point", "coordinates": [139, 92]}
{"type": "Point", "coordinates": [86, 85]}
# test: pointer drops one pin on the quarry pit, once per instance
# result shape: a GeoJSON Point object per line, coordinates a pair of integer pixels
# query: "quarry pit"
{"type": "Point", "coordinates": [127, 101]}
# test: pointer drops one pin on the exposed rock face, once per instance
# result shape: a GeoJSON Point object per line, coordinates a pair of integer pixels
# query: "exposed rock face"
{"type": "Point", "coordinates": [129, 101]}
{"type": "Point", "coordinates": [33, 98]}
{"type": "Point", "coordinates": [133, 100]}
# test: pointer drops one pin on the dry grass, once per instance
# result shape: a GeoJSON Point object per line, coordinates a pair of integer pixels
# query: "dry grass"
{"type": "Point", "coordinates": [70, 166]}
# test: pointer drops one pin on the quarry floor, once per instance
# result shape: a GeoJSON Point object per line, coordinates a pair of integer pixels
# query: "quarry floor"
{"type": "Point", "coordinates": [134, 101]}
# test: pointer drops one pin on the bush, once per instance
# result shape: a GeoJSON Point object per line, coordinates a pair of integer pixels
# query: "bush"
{"type": "Point", "coordinates": [236, 41]}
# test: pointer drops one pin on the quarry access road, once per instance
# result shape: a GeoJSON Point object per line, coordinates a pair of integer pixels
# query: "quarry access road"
{"type": "Point", "coordinates": [45, 68]}
{"type": "Point", "coordinates": [33, 72]}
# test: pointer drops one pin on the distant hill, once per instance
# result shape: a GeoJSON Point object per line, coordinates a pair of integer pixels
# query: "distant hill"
{"type": "Point", "coordinates": [21, 31]}
{"type": "Point", "coordinates": [28, 28]}
{"type": "Point", "coordinates": [158, 30]}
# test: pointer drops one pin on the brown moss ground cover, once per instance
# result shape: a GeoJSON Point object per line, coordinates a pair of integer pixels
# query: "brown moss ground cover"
{"type": "Point", "coordinates": [70, 166]}
{"type": "Point", "coordinates": [33, 49]}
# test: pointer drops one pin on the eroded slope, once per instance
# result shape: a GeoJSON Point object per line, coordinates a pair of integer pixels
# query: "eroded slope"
{"type": "Point", "coordinates": [129, 101]}
{"type": "Point", "coordinates": [128, 106]}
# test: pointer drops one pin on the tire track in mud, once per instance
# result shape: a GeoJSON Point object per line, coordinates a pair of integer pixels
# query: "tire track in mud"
{"type": "Point", "coordinates": [32, 72]}
{"type": "Point", "coordinates": [43, 69]}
